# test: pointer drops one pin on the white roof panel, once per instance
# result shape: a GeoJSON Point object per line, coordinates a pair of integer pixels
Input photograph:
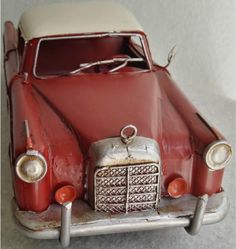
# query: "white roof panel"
{"type": "Point", "coordinates": [76, 18]}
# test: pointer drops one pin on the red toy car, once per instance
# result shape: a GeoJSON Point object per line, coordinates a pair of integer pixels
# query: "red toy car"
{"type": "Point", "coordinates": [102, 140]}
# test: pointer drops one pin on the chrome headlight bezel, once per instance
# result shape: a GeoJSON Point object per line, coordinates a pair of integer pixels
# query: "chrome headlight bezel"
{"type": "Point", "coordinates": [31, 155]}
{"type": "Point", "coordinates": [209, 153]}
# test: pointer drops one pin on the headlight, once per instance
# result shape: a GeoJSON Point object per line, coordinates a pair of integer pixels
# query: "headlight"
{"type": "Point", "coordinates": [31, 167]}
{"type": "Point", "coordinates": [217, 155]}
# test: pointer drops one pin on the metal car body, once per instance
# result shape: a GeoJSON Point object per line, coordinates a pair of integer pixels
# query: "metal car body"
{"type": "Point", "coordinates": [92, 115]}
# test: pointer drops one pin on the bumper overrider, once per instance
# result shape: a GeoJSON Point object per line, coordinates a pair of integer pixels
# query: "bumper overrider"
{"type": "Point", "coordinates": [122, 195]}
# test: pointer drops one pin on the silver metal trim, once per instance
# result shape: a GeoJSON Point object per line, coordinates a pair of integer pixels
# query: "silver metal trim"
{"type": "Point", "coordinates": [128, 138]}
{"type": "Point", "coordinates": [27, 129]}
{"type": "Point", "coordinates": [133, 198]}
{"type": "Point", "coordinates": [198, 216]}
{"type": "Point", "coordinates": [84, 66]}
{"type": "Point", "coordinates": [113, 152]}
{"type": "Point", "coordinates": [26, 77]}
{"type": "Point", "coordinates": [116, 163]}
{"type": "Point", "coordinates": [211, 147]}
{"type": "Point", "coordinates": [21, 157]}
{"type": "Point", "coordinates": [127, 190]}
{"type": "Point", "coordinates": [171, 56]}
{"type": "Point", "coordinates": [91, 36]}
{"type": "Point", "coordinates": [124, 64]}
{"type": "Point", "coordinates": [65, 224]}
{"type": "Point", "coordinates": [131, 223]}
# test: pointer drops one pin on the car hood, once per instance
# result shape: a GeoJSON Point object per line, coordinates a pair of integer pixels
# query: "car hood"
{"type": "Point", "coordinates": [97, 106]}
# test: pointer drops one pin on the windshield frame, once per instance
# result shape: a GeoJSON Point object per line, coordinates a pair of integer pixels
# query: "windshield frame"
{"type": "Point", "coordinates": [111, 34]}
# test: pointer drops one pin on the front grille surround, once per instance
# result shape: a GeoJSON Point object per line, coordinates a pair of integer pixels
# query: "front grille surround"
{"type": "Point", "coordinates": [122, 189]}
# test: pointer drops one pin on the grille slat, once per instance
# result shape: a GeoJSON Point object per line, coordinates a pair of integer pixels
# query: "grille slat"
{"type": "Point", "coordinates": [109, 172]}
{"type": "Point", "coordinates": [143, 170]}
{"type": "Point", "coordinates": [112, 182]}
{"type": "Point", "coordinates": [111, 191]}
{"type": "Point", "coordinates": [142, 189]}
{"type": "Point", "coordinates": [127, 188]}
{"type": "Point", "coordinates": [136, 180]}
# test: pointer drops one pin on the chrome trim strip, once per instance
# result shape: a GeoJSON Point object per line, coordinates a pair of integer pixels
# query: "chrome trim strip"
{"type": "Point", "coordinates": [154, 174]}
{"type": "Point", "coordinates": [127, 190]}
{"type": "Point", "coordinates": [27, 129]}
{"type": "Point", "coordinates": [90, 36]}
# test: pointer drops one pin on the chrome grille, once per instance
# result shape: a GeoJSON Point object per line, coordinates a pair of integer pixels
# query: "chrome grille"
{"type": "Point", "coordinates": [127, 188]}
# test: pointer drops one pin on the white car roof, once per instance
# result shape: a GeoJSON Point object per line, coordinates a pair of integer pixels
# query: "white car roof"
{"type": "Point", "coordinates": [76, 18]}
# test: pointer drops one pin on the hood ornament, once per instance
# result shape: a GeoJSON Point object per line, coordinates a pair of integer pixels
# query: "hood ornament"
{"type": "Point", "coordinates": [128, 134]}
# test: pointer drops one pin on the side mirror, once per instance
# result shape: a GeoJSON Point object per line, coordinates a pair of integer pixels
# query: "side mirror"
{"type": "Point", "coordinates": [171, 56]}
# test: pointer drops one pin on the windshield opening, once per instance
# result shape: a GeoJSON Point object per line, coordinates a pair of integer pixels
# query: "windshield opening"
{"type": "Point", "coordinates": [97, 54]}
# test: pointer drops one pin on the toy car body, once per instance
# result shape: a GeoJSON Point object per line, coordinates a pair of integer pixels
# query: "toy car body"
{"type": "Point", "coordinates": [97, 126]}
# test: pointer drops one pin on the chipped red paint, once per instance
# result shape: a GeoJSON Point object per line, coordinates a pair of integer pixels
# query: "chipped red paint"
{"type": "Point", "coordinates": [67, 114]}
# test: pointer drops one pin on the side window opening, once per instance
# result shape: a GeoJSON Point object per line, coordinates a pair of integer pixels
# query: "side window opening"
{"type": "Point", "coordinates": [136, 46]}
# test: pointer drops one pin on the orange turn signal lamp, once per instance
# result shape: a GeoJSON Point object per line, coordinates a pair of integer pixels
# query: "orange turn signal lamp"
{"type": "Point", "coordinates": [177, 187]}
{"type": "Point", "coordinates": [65, 194]}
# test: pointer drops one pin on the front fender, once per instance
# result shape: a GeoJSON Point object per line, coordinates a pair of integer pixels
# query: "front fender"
{"type": "Point", "coordinates": [52, 138]}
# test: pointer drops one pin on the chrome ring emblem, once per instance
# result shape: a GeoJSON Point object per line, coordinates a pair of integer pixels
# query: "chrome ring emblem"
{"type": "Point", "coordinates": [128, 133]}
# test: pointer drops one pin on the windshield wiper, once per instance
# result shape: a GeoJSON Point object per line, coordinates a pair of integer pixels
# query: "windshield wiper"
{"type": "Point", "coordinates": [125, 60]}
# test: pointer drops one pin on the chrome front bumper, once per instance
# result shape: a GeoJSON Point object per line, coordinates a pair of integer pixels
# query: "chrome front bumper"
{"type": "Point", "coordinates": [189, 212]}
